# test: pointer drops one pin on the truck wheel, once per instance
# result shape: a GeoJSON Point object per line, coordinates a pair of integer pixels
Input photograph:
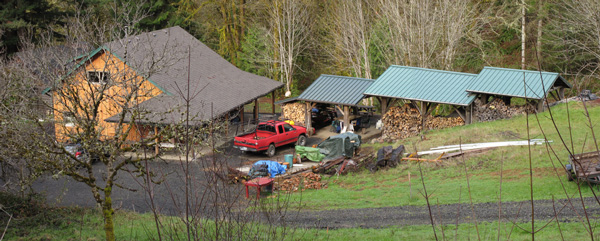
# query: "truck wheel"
{"type": "Point", "coordinates": [271, 150]}
{"type": "Point", "coordinates": [301, 140]}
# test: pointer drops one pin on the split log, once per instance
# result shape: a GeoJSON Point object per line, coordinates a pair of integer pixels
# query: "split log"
{"type": "Point", "coordinates": [401, 122]}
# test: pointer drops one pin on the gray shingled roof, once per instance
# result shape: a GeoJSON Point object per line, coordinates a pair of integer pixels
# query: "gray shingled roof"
{"type": "Point", "coordinates": [214, 81]}
{"type": "Point", "coordinates": [339, 90]}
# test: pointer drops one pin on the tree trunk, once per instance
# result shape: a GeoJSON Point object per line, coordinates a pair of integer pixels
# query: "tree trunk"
{"type": "Point", "coordinates": [107, 214]}
{"type": "Point", "coordinates": [523, 35]}
{"type": "Point", "coordinates": [539, 30]}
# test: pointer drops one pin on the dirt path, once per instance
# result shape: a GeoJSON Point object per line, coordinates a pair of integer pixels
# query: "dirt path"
{"type": "Point", "coordinates": [443, 214]}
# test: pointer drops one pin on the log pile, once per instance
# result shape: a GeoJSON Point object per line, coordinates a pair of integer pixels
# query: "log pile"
{"type": "Point", "coordinates": [295, 112]}
{"type": "Point", "coordinates": [405, 121]}
{"type": "Point", "coordinates": [497, 110]}
{"type": "Point", "coordinates": [302, 181]}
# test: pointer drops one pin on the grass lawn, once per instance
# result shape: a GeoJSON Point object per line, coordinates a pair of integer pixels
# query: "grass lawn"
{"type": "Point", "coordinates": [86, 224]}
{"type": "Point", "coordinates": [447, 183]}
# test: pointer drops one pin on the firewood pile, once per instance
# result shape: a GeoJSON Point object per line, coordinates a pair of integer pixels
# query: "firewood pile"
{"type": "Point", "coordinates": [497, 110]}
{"type": "Point", "coordinates": [405, 121]}
{"type": "Point", "coordinates": [295, 112]}
{"type": "Point", "coordinates": [301, 181]}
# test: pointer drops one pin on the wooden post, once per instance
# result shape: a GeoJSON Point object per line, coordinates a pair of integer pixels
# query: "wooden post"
{"type": "Point", "coordinates": [468, 114]}
{"type": "Point", "coordinates": [242, 117]}
{"type": "Point", "coordinates": [561, 93]}
{"type": "Point", "coordinates": [273, 101]}
{"type": "Point", "coordinates": [540, 106]}
{"type": "Point", "coordinates": [484, 98]}
{"type": "Point", "coordinates": [384, 105]}
{"type": "Point", "coordinates": [256, 111]}
{"type": "Point", "coordinates": [308, 118]}
{"type": "Point", "coordinates": [346, 117]}
{"type": "Point", "coordinates": [156, 140]}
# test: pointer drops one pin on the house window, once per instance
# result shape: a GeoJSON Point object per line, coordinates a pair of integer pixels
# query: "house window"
{"type": "Point", "coordinates": [69, 119]}
{"type": "Point", "coordinates": [99, 77]}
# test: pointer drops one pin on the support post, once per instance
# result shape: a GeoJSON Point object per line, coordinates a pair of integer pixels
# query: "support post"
{"type": "Point", "coordinates": [384, 105]}
{"type": "Point", "coordinates": [561, 93]}
{"type": "Point", "coordinates": [468, 114]}
{"type": "Point", "coordinates": [256, 111]}
{"type": "Point", "coordinates": [484, 98]}
{"type": "Point", "coordinates": [273, 101]}
{"type": "Point", "coordinates": [540, 106]}
{"type": "Point", "coordinates": [308, 118]}
{"type": "Point", "coordinates": [346, 116]}
{"type": "Point", "coordinates": [241, 113]}
{"type": "Point", "coordinates": [156, 141]}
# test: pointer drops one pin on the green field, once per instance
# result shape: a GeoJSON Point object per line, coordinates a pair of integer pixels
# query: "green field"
{"type": "Point", "coordinates": [86, 224]}
{"type": "Point", "coordinates": [447, 181]}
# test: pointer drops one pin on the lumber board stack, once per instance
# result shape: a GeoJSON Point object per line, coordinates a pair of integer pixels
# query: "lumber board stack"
{"type": "Point", "coordinates": [295, 112]}
{"type": "Point", "coordinates": [497, 109]}
{"type": "Point", "coordinates": [404, 121]}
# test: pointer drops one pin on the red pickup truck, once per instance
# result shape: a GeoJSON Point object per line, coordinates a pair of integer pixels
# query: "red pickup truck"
{"type": "Point", "coordinates": [269, 135]}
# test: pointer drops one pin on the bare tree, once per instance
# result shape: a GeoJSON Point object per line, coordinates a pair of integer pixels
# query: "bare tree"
{"type": "Point", "coordinates": [351, 36]}
{"type": "Point", "coordinates": [425, 33]}
{"type": "Point", "coordinates": [89, 88]}
{"type": "Point", "coordinates": [290, 29]}
{"type": "Point", "coordinates": [576, 33]}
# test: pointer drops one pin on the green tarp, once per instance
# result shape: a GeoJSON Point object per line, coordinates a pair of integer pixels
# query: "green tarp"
{"type": "Point", "coordinates": [340, 145]}
{"type": "Point", "coordinates": [310, 153]}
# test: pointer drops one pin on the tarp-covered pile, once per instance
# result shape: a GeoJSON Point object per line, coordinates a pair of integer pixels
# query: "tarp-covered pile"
{"type": "Point", "coordinates": [340, 145]}
{"type": "Point", "coordinates": [266, 168]}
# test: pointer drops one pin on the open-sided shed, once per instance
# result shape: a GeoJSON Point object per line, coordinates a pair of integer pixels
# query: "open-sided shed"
{"type": "Point", "coordinates": [342, 91]}
{"type": "Point", "coordinates": [426, 86]}
{"type": "Point", "coordinates": [508, 83]}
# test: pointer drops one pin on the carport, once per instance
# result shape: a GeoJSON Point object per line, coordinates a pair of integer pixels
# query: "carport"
{"type": "Point", "coordinates": [424, 88]}
{"type": "Point", "coordinates": [341, 91]}
{"type": "Point", "coordinates": [507, 83]}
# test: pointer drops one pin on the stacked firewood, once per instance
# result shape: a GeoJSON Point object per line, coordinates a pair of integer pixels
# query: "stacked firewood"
{"type": "Point", "coordinates": [295, 112]}
{"type": "Point", "coordinates": [405, 121]}
{"type": "Point", "coordinates": [497, 110]}
{"type": "Point", "coordinates": [302, 181]}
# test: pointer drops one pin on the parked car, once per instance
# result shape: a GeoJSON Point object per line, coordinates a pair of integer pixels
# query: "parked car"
{"type": "Point", "coordinates": [270, 135]}
{"type": "Point", "coordinates": [81, 153]}
{"type": "Point", "coordinates": [78, 151]}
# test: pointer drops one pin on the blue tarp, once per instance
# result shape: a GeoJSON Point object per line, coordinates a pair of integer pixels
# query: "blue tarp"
{"type": "Point", "coordinates": [274, 167]}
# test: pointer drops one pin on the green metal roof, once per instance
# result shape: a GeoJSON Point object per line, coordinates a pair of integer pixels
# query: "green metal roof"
{"type": "Point", "coordinates": [420, 84]}
{"type": "Point", "coordinates": [339, 90]}
{"type": "Point", "coordinates": [509, 82]}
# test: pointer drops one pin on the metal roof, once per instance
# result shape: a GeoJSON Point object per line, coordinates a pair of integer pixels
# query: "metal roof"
{"type": "Point", "coordinates": [339, 90]}
{"type": "Point", "coordinates": [420, 84]}
{"type": "Point", "coordinates": [292, 99]}
{"type": "Point", "coordinates": [509, 82]}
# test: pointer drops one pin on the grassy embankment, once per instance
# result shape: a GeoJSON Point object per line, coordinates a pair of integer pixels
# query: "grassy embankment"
{"type": "Point", "coordinates": [447, 180]}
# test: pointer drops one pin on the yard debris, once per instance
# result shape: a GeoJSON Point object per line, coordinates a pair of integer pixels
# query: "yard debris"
{"type": "Point", "coordinates": [236, 176]}
{"type": "Point", "coordinates": [405, 121]}
{"type": "Point", "coordinates": [302, 181]}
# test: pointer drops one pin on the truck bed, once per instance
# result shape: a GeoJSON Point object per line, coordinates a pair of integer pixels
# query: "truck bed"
{"type": "Point", "coordinates": [585, 164]}
{"type": "Point", "coordinates": [256, 135]}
